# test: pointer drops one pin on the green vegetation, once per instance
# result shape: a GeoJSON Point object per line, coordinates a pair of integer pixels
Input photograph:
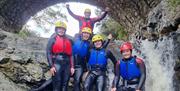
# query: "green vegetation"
{"type": "Point", "coordinates": [173, 3]}
{"type": "Point", "coordinates": [24, 33]}
{"type": "Point", "coordinates": [47, 17]}
{"type": "Point", "coordinates": [111, 26]}
{"type": "Point", "coordinates": [44, 20]}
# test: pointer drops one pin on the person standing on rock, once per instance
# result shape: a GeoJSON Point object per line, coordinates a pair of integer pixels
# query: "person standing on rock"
{"type": "Point", "coordinates": [86, 21]}
{"type": "Point", "coordinates": [80, 52]}
{"type": "Point", "coordinates": [132, 70]}
{"type": "Point", "coordinates": [81, 47]}
{"type": "Point", "coordinates": [59, 55]}
{"type": "Point", "coordinates": [98, 57]}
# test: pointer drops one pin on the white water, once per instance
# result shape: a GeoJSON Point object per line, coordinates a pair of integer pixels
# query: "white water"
{"type": "Point", "coordinates": [159, 62]}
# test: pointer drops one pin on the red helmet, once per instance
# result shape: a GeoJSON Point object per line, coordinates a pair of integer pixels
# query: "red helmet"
{"type": "Point", "coordinates": [126, 46]}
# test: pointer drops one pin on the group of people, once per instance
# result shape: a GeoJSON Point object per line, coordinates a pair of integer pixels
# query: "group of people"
{"type": "Point", "coordinates": [87, 56]}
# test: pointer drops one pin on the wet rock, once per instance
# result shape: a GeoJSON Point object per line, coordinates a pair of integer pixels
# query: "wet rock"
{"type": "Point", "coordinates": [2, 45]}
{"type": "Point", "coordinates": [21, 62]}
{"type": "Point", "coordinates": [10, 50]}
{"type": "Point", "coordinates": [35, 72]}
{"type": "Point", "coordinates": [7, 85]}
{"type": "Point", "coordinates": [2, 36]}
{"type": "Point", "coordinates": [162, 20]}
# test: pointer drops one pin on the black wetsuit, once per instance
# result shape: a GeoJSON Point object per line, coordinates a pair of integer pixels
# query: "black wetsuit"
{"type": "Point", "coordinates": [62, 61]}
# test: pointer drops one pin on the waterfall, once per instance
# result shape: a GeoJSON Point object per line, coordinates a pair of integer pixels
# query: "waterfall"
{"type": "Point", "coordinates": [158, 58]}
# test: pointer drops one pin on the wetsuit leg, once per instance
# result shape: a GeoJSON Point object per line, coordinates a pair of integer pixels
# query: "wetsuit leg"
{"type": "Point", "coordinates": [77, 78]}
{"type": "Point", "coordinates": [65, 77]}
{"type": "Point", "coordinates": [43, 86]}
{"type": "Point", "coordinates": [57, 78]}
{"type": "Point", "coordinates": [131, 89]}
{"type": "Point", "coordinates": [100, 83]}
{"type": "Point", "coordinates": [89, 81]}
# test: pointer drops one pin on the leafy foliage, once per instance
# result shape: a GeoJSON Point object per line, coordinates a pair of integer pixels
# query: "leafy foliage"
{"type": "Point", "coordinates": [173, 3]}
{"type": "Point", "coordinates": [44, 20]}
{"type": "Point", "coordinates": [28, 33]}
{"type": "Point", "coordinates": [111, 26]}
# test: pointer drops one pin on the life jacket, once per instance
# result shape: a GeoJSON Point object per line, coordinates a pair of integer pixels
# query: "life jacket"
{"type": "Point", "coordinates": [129, 69]}
{"type": "Point", "coordinates": [81, 47]}
{"type": "Point", "coordinates": [62, 45]}
{"type": "Point", "coordinates": [86, 23]}
{"type": "Point", "coordinates": [98, 58]}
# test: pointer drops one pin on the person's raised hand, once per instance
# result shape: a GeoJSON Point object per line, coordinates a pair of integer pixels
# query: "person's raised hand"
{"type": "Point", "coordinates": [110, 36]}
{"type": "Point", "coordinates": [67, 5]}
{"type": "Point", "coordinates": [107, 9]}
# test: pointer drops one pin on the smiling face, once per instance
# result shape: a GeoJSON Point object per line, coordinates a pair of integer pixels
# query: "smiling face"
{"type": "Point", "coordinates": [98, 44]}
{"type": "Point", "coordinates": [126, 53]}
{"type": "Point", "coordinates": [85, 36]}
{"type": "Point", "coordinates": [60, 31]}
{"type": "Point", "coordinates": [87, 14]}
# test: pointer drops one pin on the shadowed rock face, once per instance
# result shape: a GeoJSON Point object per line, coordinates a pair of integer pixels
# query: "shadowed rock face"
{"type": "Point", "coordinates": [129, 13]}
{"type": "Point", "coordinates": [22, 61]}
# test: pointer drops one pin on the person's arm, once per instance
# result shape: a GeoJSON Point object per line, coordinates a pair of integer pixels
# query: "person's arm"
{"type": "Point", "coordinates": [87, 57]}
{"type": "Point", "coordinates": [72, 14]}
{"type": "Point", "coordinates": [105, 44]}
{"type": "Point", "coordinates": [49, 51]}
{"type": "Point", "coordinates": [97, 19]}
{"type": "Point", "coordinates": [117, 76]}
{"type": "Point", "coordinates": [71, 62]}
{"type": "Point", "coordinates": [111, 56]}
{"type": "Point", "coordinates": [71, 56]}
{"type": "Point", "coordinates": [143, 73]}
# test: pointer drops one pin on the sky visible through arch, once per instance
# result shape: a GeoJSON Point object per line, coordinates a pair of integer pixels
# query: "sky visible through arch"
{"type": "Point", "coordinates": [73, 25]}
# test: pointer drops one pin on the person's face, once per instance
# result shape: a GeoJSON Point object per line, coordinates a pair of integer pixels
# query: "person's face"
{"type": "Point", "coordinates": [98, 44]}
{"type": "Point", "coordinates": [61, 31]}
{"type": "Point", "coordinates": [126, 54]}
{"type": "Point", "coordinates": [85, 36]}
{"type": "Point", "coordinates": [87, 14]}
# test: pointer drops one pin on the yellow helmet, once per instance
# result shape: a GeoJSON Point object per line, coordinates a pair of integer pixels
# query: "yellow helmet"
{"type": "Point", "coordinates": [87, 30]}
{"type": "Point", "coordinates": [97, 38]}
{"type": "Point", "coordinates": [87, 10]}
{"type": "Point", "coordinates": [61, 24]}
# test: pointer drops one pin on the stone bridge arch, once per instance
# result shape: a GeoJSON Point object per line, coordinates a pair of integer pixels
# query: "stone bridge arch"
{"type": "Point", "coordinates": [15, 13]}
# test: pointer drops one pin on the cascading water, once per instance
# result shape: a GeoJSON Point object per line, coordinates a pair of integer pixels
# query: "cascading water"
{"type": "Point", "coordinates": [158, 57]}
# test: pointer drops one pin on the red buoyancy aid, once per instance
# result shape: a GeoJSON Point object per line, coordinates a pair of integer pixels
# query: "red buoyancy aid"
{"type": "Point", "coordinates": [62, 45]}
{"type": "Point", "coordinates": [87, 23]}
